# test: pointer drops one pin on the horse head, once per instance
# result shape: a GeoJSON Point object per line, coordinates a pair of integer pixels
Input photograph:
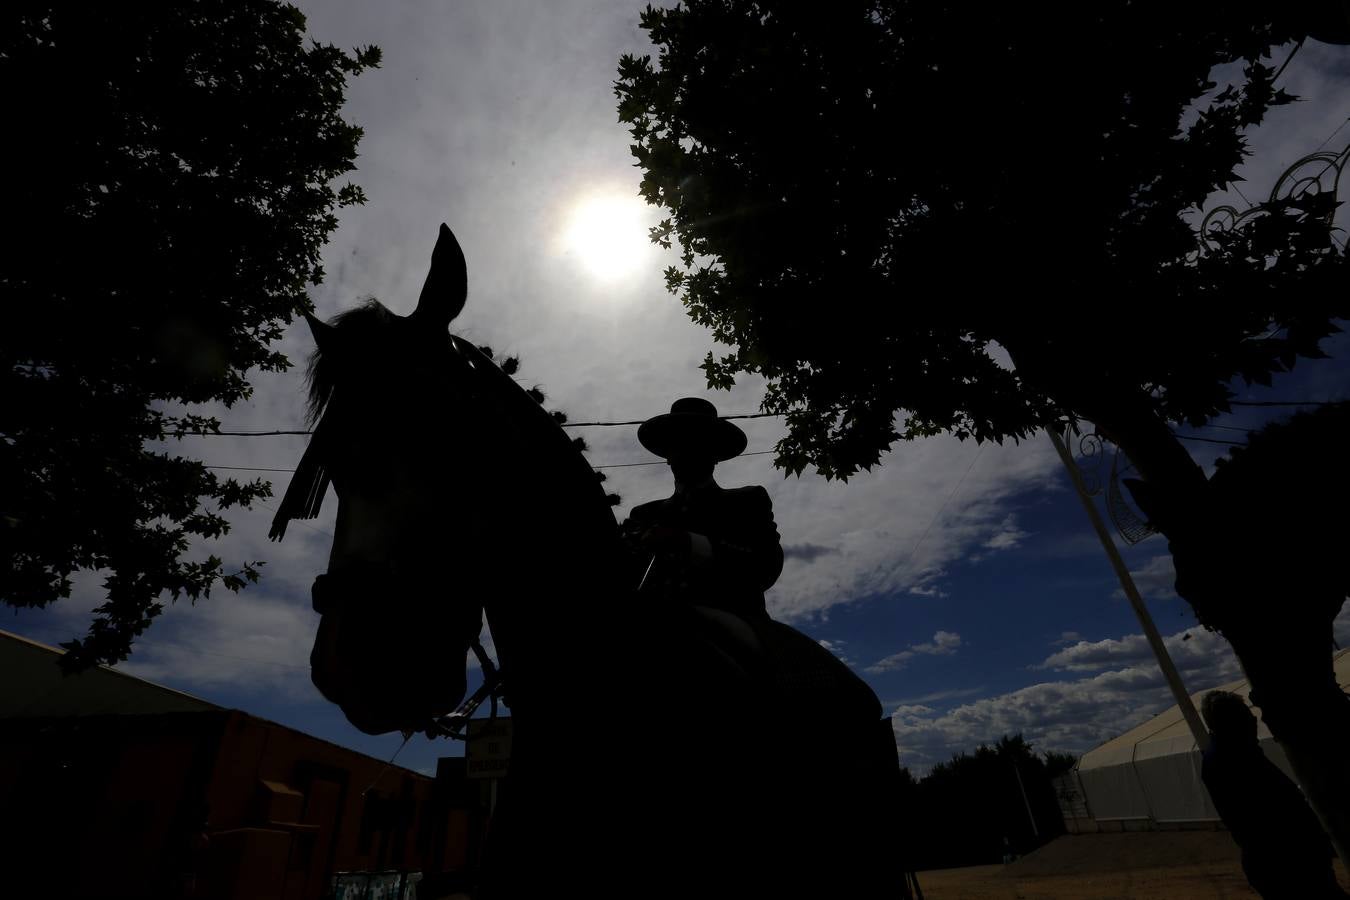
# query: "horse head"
{"type": "Point", "coordinates": [441, 464]}
{"type": "Point", "coordinates": [384, 390]}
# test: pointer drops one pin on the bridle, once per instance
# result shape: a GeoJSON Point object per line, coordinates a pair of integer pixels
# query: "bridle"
{"type": "Point", "coordinates": [454, 725]}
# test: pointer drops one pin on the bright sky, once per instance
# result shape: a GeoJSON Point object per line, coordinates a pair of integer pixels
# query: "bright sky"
{"type": "Point", "coordinates": [963, 583]}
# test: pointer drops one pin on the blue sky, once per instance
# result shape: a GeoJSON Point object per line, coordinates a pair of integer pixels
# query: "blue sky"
{"type": "Point", "coordinates": [962, 582]}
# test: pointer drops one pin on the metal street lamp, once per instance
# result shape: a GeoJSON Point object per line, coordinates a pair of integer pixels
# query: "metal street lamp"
{"type": "Point", "coordinates": [1315, 174]}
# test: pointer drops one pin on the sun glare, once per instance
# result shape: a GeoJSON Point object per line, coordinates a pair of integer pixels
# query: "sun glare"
{"type": "Point", "coordinates": [608, 235]}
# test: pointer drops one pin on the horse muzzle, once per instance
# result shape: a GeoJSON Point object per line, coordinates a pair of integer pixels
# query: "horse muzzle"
{"type": "Point", "coordinates": [391, 654]}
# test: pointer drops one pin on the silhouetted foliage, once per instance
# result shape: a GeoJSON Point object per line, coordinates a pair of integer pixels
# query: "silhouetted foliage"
{"type": "Point", "coordinates": [870, 198]}
{"type": "Point", "coordinates": [1283, 476]}
{"type": "Point", "coordinates": [867, 194]}
{"type": "Point", "coordinates": [1057, 764]}
{"type": "Point", "coordinates": [965, 809]}
{"type": "Point", "coordinates": [172, 168]}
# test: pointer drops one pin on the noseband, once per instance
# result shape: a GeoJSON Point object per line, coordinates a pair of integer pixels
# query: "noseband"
{"type": "Point", "coordinates": [332, 591]}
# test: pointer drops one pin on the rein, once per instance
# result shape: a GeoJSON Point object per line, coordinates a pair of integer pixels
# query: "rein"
{"type": "Point", "coordinates": [454, 724]}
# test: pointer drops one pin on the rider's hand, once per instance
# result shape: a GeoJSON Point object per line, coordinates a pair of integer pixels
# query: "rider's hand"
{"type": "Point", "coordinates": [630, 533]}
{"type": "Point", "coordinates": [666, 541]}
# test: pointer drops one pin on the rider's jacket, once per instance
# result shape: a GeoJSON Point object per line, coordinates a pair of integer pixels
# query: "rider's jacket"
{"type": "Point", "coordinates": [735, 551]}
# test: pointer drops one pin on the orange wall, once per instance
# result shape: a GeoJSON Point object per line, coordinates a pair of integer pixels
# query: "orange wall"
{"type": "Point", "coordinates": [253, 750]}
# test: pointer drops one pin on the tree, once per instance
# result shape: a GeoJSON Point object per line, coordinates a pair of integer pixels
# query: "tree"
{"type": "Point", "coordinates": [1057, 764]}
{"type": "Point", "coordinates": [869, 197]}
{"type": "Point", "coordinates": [171, 169]}
{"type": "Point", "coordinates": [978, 806]}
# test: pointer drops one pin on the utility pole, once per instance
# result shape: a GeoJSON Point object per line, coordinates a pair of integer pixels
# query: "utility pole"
{"type": "Point", "coordinates": [1155, 641]}
{"type": "Point", "coordinates": [1031, 817]}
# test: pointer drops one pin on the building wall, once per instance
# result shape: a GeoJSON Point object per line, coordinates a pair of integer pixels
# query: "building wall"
{"type": "Point", "coordinates": [315, 793]}
{"type": "Point", "coordinates": [94, 806]}
{"type": "Point", "coordinates": [147, 805]}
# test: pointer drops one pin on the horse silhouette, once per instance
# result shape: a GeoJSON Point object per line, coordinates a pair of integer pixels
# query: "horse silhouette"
{"type": "Point", "coordinates": [657, 750]}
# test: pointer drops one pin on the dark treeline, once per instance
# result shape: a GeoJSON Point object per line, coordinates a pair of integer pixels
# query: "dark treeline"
{"type": "Point", "coordinates": [962, 812]}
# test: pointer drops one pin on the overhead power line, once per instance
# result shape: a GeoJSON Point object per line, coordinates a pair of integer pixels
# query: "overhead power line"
{"type": "Point", "coordinates": [762, 415]}
{"type": "Point", "coordinates": [1192, 437]}
{"type": "Point", "coordinates": [1287, 60]}
{"type": "Point", "coordinates": [1229, 428]}
{"type": "Point", "coordinates": [1333, 134]}
{"type": "Point", "coordinates": [941, 509]}
{"type": "Point", "coordinates": [607, 466]}
{"type": "Point", "coordinates": [600, 424]}
{"type": "Point", "coordinates": [304, 431]}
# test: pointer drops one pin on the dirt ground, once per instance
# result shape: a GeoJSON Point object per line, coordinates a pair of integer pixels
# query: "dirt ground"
{"type": "Point", "coordinates": [1180, 865]}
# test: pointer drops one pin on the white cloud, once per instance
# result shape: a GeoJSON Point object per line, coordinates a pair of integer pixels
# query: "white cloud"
{"type": "Point", "coordinates": [1192, 650]}
{"type": "Point", "coordinates": [837, 648]}
{"type": "Point", "coordinates": [924, 586]}
{"type": "Point", "coordinates": [944, 643]}
{"type": "Point", "coordinates": [892, 663]}
{"type": "Point", "coordinates": [1074, 715]}
{"type": "Point", "coordinates": [913, 710]}
{"type": "Point", "coordinates": [936, 696]}
{"type": "Point", "coordinates": [1007, 536]}
{"type": "Point", "coordinates": [1156, 580]}
{"type": "Point", "coordinates": [250, 642]}
{"type": "Point", "coordinates": [898, 528]}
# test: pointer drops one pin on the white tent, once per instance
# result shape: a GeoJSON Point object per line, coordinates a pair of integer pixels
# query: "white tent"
{"type": "Point", "coordinates": [1149, 777]}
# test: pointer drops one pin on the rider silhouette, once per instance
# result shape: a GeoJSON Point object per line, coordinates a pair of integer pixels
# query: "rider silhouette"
{"type": "Point", "coordinates": [714, 546]}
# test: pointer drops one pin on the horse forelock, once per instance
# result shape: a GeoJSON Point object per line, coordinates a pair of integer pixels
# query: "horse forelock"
{"type": "Point", "coordinates": [366, 327]}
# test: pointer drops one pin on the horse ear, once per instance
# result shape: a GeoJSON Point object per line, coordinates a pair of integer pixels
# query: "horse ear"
{"type": "Point", "coordinates": [325, 335]}
{"type": "Point", "coordinates": [447, 283]}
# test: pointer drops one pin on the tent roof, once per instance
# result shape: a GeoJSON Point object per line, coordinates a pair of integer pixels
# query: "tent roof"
{"type": "Point", "coordinates": [31, 684]}
{"type": "Point", "coordinates": [1167, 733]}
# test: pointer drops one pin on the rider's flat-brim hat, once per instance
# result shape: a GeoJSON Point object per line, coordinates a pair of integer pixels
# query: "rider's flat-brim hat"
{"type": "Point", "coordinates": [692, 427]}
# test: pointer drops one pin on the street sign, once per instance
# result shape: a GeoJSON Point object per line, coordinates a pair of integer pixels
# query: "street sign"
{"type": "Point", "coordinates": [487, 750]}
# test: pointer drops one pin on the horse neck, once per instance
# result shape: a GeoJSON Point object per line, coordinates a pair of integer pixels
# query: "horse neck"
{"type": "Point", "coordinates": [559, 573]}
{"type": "Point", "coordinates": [558, 599]}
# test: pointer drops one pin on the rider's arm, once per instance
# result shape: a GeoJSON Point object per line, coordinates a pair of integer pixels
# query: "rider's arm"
{"type": "Point", "coordinates": [752, 552]}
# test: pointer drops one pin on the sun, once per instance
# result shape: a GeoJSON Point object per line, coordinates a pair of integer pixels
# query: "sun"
{"type": "Point", "coordinates": [607, 234]}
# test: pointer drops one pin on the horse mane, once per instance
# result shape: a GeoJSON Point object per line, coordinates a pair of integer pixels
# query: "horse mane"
{"type": "Point", "coordinates": [376, 338]}
{"type": "Point", "coordinates": [372, 320]}
{"type": "Point", "coordinates": [559, 460]}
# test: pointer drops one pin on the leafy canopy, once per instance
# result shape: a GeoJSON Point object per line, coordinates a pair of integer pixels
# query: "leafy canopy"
{"type": "Point", "coordinates": [867, 194]}
{"type": "Point", "coordinates": [171, 179]}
